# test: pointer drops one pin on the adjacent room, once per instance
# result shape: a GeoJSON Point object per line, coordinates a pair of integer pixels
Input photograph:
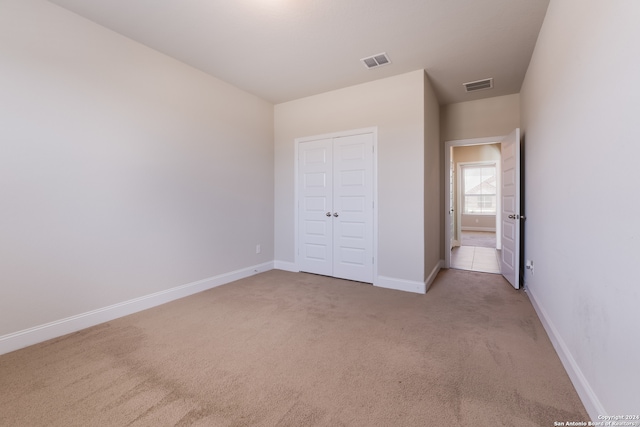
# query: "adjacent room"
{"type": "Point", "coordinates": [286, 212]}
{"type": "Point", "coordinates": [475, 195]}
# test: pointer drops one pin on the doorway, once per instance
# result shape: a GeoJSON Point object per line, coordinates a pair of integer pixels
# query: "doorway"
{"type": "Point", "coordinates": [508, 216]}
{"type": "Point", "coordinates": [475, 196]}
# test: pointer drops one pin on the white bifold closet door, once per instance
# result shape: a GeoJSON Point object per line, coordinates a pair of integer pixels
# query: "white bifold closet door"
{"type": "Point", "coordinates": [335, 207]}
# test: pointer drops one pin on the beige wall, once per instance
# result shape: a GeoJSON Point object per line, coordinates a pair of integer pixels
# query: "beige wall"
{"type": "Point", "coordinates": [122, 172]}
{"type": "Point", "coordinates": [477, 153]}
{"type": "Point", "coordinates": [580, 115]}
{"type": "Point", "coordinates": [396, 106]}
{"type": "Point", "coordinates": [433, 182]}
{"type": "Point", "coordinates": [478, 222]}
{"type": "Point", "coordinates": [481, 118]}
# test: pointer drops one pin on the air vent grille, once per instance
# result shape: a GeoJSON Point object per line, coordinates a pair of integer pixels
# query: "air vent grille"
{"type": "Point", "coordinates": [478, 85]}
{"type": "Point", "coordinates": [376, 60]}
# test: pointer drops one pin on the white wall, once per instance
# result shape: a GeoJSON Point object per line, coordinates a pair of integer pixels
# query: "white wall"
{"type": "Point", "coordinates": [396, 106]}
{"type": "Point", "coordinates": [579, 112]}
{"type": "Point", "coordinates": [122, 172]}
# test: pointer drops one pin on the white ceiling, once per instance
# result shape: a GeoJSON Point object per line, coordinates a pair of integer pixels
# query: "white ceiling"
{"type": "Point", "coordinates": [282, 50]}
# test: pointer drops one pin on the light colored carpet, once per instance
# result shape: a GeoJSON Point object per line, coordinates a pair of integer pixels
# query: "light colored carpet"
{"type": "Point", "coordinates": [483, 239]}
{"type": "Point", "coordinates": [294, 349]}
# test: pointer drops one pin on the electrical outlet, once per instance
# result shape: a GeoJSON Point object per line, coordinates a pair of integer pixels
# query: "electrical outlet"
{"type": "Point", "coordinates": [258, 249]}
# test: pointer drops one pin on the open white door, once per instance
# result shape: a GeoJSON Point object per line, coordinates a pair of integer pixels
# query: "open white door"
{"type": "Point", "coordinates": [510, 215]}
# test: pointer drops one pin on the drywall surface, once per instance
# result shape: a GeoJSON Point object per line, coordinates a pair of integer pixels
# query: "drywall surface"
{"type": "Point", "coordinates": [579, 114]}
{"type": "Point", "coordinates": [481, 118]}
{"type": "Point", "coordinates": [478, 222]}
{"type": "Point", "coordinates": [393, 105]}
{"type": "Point", "coordinates": [433, 183]}
{"type": "Point", "coordinates": [123, 172]}
{"type": "Point", "coordinates": [477, 153]}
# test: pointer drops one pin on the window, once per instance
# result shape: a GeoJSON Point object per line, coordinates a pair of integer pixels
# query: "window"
{"type": "Point", "coordinates": [479, 189]}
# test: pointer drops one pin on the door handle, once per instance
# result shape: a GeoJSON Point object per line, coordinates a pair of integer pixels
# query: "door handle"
{"type": "Point", "coordinates": [516, 216]}
{"type": "Point", "coordinates": [328, 214]}
{"type": "Point", "coordinates": [335, 214]}
{"type": "Point", "coordinates": [512, 216]}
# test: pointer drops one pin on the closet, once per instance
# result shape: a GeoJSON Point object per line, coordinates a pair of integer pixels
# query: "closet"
{"type": "Point", "coordinates": [335, 195]}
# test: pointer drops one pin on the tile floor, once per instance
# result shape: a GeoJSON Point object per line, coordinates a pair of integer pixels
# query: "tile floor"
{"type": "Point", "coordinates": [475, 258]}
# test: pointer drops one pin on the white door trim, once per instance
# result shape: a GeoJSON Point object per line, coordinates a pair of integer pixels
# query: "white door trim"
{"type": "Point", "coordinates": [447, 185]}
{"type": "Point", "coordinates": [297, 142]}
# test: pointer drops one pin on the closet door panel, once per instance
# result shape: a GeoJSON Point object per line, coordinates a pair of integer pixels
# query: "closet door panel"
{"type": "Point", "coordinates": [315, 201]}
{"type": "Point", "coordinates": [353, 207]}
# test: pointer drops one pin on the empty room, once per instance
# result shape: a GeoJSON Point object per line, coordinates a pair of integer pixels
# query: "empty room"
{"type": "Point", "coordinates": [250, 213]}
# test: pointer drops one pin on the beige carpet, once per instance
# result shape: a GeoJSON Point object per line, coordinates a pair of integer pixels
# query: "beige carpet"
{"type": "Point", "coordinates": [293, 349]}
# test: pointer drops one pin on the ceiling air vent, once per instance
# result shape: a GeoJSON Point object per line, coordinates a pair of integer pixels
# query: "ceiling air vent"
{"type": "Point", "coordinates": [478, 85]}
{"type": "Point", "coordinates": [376, 60]}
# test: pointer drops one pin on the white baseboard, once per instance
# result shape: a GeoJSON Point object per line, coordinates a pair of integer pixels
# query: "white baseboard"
{"type": "Point", "coordinates": [286, 266]}
{"type": "Point", "coordinates": [37, 334]}
{"type": "Point", "coordinates": [400, 284]}
{"type": "Point", "coordinates": [434, 273]}
{"type": "Point", "coordinates": [492, 229]}
{"type": "Point", "coordinates": [409, 285]}
{"type": "Point", "coordinates": [589, 398]}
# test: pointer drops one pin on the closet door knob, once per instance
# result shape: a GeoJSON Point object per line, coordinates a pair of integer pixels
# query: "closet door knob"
{"type": "Point", "coordinates": [335, 214]}
{"type": "Point", "coordinates": [328, 214]}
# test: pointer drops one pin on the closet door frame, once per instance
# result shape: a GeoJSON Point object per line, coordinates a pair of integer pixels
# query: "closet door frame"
{"type": "Point", "coordinates": [374, 132]}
